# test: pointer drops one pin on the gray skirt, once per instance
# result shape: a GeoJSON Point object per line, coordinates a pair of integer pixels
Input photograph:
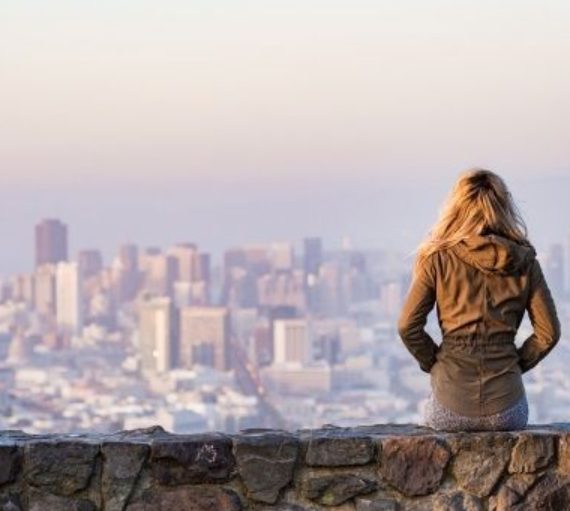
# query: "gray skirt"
{"type": "Point", "coordinates": [439, 417]}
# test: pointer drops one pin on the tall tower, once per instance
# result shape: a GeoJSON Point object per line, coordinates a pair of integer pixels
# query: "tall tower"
{"type": "Point", "coordinates": [312, 260]}
{"type": "Point", "coordinates": [51, 241]}
{"type": "Point", "coordinates": [158, 334]}
{"type": "Point", "coordinates": [313, 255]}
{"type": "Point", "coordinates": [69, 306]}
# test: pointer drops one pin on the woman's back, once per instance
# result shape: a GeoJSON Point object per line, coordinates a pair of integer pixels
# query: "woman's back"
{"type": "Point", "coordinates": [482, 287]}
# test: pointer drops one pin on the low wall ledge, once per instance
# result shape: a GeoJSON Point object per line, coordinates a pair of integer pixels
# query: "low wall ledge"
{"type": "Point", "coordinates": [380, 467]}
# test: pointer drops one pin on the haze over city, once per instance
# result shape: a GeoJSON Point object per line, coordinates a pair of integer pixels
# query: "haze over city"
{"type": "Point", "coordinates": [209, 208]}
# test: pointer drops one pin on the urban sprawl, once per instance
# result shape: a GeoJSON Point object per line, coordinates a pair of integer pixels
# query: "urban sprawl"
{"type": "Point", "coordinates": [269, 337]}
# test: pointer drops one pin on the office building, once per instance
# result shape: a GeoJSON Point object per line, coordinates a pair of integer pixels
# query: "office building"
{"type": "Point", "coordinates": [205, 337]}
{"type": "Point", "coordinates": [186, 257]}
{"type": "Point", "coordinates": [51, 241]}
{"type": "Point", "coordinates": [158, 334]}
{"type": "Point", "coordinates": [69, 306]}
{"type": "Point", "coordinates": [45, 290]}
{"type": "Point", "coordinates": [90, 261]}
{"type": "Point", "coordinates": [292, 341]}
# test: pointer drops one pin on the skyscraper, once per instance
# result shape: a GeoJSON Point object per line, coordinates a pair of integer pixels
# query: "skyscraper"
{"type": "Point", "coordinates": [158, 334]}
{"type": "Point", "coordinates": [312, 260]}
{"type": "Point", "coordinates": [45, 290]}
{"type": "Point", "coordinates": [186, 257]}
{"type": "Point", "coordinates": [312, 255]}
{"type": "Point", "coordinates": [69, 305]}
{"type": "Point", "coordinates": [129, 257]}
{"type": "Point", "coordinates": [91, 262]}
{"type": "Point", "coordinates": [205, 337]}
{"type": "Point", "coordinates": [51, 241]}
{"type": "Point", "coordinates": [128, 278]}
{"type": "Point", "coordinates": [282, 256]}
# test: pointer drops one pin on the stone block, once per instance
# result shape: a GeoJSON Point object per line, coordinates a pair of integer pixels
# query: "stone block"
{"type": "Point", "coordinates": [414, 465]}
{"type": "Point", "coordinates": [265, 463]}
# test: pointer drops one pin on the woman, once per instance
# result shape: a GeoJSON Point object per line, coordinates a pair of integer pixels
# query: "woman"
{"type": "Point", "coordinates": [481, 271]}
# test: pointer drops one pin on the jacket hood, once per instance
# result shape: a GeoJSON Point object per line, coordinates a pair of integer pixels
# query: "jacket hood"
{"type": "Point", "coordinates": [492, 253]}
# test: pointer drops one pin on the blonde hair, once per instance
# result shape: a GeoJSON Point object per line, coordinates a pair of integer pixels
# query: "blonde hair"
{"type": "Point", "coordinates": [479, 203]}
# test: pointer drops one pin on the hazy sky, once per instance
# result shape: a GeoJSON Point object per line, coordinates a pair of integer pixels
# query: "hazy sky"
{"type": "Point", "coordinates": [107, 105]}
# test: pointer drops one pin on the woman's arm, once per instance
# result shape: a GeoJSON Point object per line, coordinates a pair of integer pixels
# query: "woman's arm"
{"type": "Point", "coordinates": [544, 319]}
{"type": "Point", "coordinates": [413, 317]}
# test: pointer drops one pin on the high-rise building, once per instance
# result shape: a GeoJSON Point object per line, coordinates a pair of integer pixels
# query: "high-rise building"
{"type": "Point", "coordinates": [281, 288]}
{"type": "Point", "coordinates": [205, 337]}
{"type": "Point", "coordinates": [204, 271]}
{"type": "Point", "coordinates": [90, 261]}
{"type": "Point", "coordinates": [186, 256]}
{"type": "Point", "coordinates": [292, 342]}
{"type": "Point", "coordinates": [127, 276]}
{"type": "Point", "coordinates": [330, 300]}
{"type": "Point", "coordinates": [158, 334]}
{"type": "Point", "coordinates": [51, 241]}
{"type": "Point", "coordinates": [45, 290]}
{"type": "Point", "coordinates": [312, 255]}
{"type": "Point", "coordinates": [69, 306]}
{"type": "Point", "coordinates": [282, 256]}
{"type": "Point", "coordinates": [159, 273]}
{"type": "Point", "coordinates": [129, 257]}
{"type": "Point", "coordinates": [22, 288]}
{"type": "Point", "coordinates": [312, 260]}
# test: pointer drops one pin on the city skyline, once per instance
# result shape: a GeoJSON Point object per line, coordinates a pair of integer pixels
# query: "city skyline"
{"type": "Point", "coordinates": [157, 334]}
{"type": "Point", "coordinates": [359, 209]}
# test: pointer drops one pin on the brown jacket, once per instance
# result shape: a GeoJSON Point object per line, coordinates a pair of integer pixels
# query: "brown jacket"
{"type": "Point", "coordinates": [482, 287]}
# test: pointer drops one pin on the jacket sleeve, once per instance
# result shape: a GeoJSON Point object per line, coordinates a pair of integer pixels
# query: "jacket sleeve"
{"type": "Point", "coordinates": [413, 317]}
{"type": "Point", "coordinates": [544, 320]}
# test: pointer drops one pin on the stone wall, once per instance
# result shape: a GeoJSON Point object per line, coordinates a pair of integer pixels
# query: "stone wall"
{"type": "Point", "coordinates": [367, 468]}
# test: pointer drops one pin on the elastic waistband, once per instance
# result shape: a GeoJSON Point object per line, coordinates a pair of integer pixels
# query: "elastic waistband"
{"type": "Point", "coordinates": [478, 338]}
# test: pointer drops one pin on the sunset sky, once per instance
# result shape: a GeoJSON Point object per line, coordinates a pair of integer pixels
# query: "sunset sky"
{"type": "Point", "coordinates": [104, 100]}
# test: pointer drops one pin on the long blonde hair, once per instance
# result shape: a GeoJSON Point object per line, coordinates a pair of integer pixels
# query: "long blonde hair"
{"type": "Point", "coordinates": [478, 203]}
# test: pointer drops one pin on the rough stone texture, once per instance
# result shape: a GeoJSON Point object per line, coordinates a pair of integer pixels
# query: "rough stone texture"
{"type": "Point", "coordinates": [122, 463]}
{"type": "Point", "coordinates": [456, 501]}
{"type": "Point", "coordinates": [60, 467]}
{"type": "Point", "coordinates": [10, 502]}
{"type": "Point", "coordinates": [382, 467]}
{"type": "Point", "coordinates": [564, 454]}
{"type": "Point", "coordinates": [512, 492]}
{"type": "Point", "coordinates": [10, 462]}
{"type": "Point", "coordinates": [531, 452]}
{"type": "Point", "coordinates": [192, 459]}
{"type": "Point", "coordinates": [39, 501]}
{"type": "Point", "coordinates": [284, 507]}
{"type": "Point", "coordinates": [265, 463]}
{"type": "Point", "coordinates": [415, 466]}
{"type": "Point", "coordinates": [377, 505]}
{"type": "Point", "coordinates": [190, 498]}
{"type": "Point", "coordinates": [335, 489]}
{"type": "Point", "coordinates": [334, 450]}
{"type": "Point", "coordinates": [550, 493]}
{"type": "Point", "coordinates": [479, 461]}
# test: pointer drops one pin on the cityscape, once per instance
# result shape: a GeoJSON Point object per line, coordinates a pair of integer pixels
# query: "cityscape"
{"type": "Point", "coordinates": [272, 335]}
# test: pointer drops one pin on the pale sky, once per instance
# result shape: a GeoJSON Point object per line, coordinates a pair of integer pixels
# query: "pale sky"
{"type": "Point", "coordinates": [116, 100]}
{"type": "Point", "coordinates": [143, 88]}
